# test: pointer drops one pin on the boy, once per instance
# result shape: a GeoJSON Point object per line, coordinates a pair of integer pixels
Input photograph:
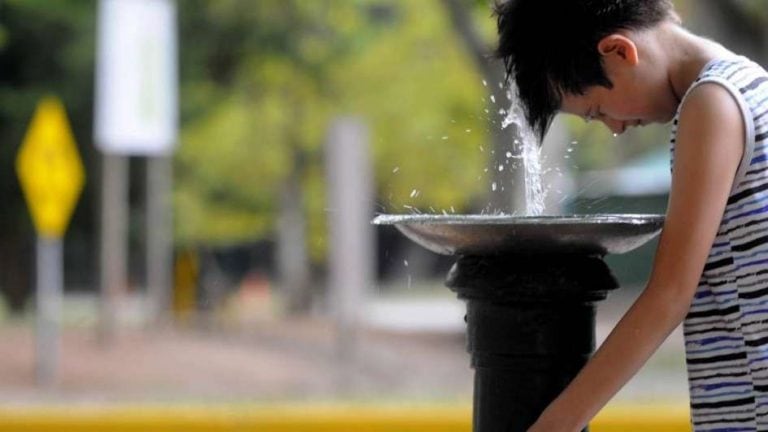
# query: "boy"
{"type": "Point", "coordinates": [630, 63]}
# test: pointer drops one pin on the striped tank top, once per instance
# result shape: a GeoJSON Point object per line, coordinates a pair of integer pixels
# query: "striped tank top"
{"type": "Point", "coordinates": [726, 329]}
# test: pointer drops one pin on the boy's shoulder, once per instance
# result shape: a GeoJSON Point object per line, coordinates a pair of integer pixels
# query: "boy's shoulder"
{"type": "Point", "coordinates": [742, 77]}
{"type": "Point", "coordinates": [730, 95]}
{"type": "Point", "coordinates": [734, 69]}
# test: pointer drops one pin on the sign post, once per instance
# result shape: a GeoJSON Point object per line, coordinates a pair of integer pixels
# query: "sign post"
{"type": "Point", "coordinates": [51, 175]}
{"type": "Point", "coordinates": [136, 115]}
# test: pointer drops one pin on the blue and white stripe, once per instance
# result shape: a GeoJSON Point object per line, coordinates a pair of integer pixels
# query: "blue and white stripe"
{"type": "Point", "coordinates": [726, 330]}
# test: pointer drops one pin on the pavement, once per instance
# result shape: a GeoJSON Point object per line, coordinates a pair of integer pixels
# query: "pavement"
{"type": "Point", "coordinates": [411, 348]}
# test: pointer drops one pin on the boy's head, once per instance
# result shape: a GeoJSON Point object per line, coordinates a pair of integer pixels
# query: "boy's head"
{"type": "Point", "coordinates": [553, 49]}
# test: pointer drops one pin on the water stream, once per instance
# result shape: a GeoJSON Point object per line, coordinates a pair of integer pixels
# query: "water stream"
{"type": "Point", "coordinates": [529, 150]}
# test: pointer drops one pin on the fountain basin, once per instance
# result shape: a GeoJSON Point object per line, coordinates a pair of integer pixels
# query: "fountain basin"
{"type": "Point", "coordinates": [504, 234]}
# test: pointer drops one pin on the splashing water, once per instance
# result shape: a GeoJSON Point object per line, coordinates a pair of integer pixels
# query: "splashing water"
{"type": "Point", "coordinates": [531, 155]}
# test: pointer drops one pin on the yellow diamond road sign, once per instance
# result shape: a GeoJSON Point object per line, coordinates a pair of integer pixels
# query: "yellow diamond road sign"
{"type": "Point", "coordinates": [50, 169]}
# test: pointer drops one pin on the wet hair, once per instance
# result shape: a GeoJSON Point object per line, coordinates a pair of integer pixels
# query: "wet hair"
{"type": "Point", "coordinates": [549, 47]}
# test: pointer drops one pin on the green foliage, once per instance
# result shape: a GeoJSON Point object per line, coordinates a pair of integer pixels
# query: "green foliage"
{"type": "Point", "coordinates": [3, 36]}
{"type": "Point", "coordinates": [421, 95]}
{"type": "Point", "coordinates": [275, 75]}
{"type": "Point", "coordinates": [756, 9]}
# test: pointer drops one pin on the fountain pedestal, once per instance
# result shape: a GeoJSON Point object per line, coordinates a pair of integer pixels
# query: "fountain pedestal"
{"type": "Point", "coordinates": [530, 329]}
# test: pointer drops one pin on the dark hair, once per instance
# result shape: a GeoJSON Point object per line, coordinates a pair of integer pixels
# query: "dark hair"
{"type": "Point", "coordinates": [549, 47]}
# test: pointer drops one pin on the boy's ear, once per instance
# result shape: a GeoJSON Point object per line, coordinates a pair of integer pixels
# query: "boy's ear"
{"type": "Point", "coordinates": [620, 46]}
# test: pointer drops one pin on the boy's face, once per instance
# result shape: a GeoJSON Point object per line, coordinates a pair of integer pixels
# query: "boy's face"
{"type": "Point", "coordinates": [619, 108]}
{"type": "Point", "coordinates": [640, 94]}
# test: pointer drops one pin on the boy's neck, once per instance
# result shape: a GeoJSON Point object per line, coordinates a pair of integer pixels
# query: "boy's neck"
{"type": "Point", "coordinates": [688, 56]}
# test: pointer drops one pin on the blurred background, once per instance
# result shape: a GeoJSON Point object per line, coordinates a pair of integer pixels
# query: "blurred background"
{"type": "Point", "coordinates": [249, 306]}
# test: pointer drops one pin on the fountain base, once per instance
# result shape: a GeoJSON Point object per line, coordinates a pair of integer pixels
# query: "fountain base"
{"type": "Point", "coordinates": [530, 329]}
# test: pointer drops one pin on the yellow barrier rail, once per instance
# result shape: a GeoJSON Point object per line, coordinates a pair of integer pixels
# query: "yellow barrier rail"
{"type": "Point", "coordinates": [304, 418]}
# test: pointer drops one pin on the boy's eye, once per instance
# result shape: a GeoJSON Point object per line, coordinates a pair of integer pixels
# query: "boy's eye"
{"type": "Point", "coordinates": [593, 114]}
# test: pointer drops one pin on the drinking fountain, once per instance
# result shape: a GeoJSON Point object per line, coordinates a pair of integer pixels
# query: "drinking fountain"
{"type": "Point", "coordinates": [530, 286]}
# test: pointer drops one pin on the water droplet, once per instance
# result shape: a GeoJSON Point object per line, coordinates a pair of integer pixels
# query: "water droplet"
{"type": "Point", "coordinates": [414, 193]}
{"type": "Point", "coordinates": [453, 210]}
{"type": "Point", "coordinates": [482, 149]}
{"type": "Point", "coordinates": [395, 170]}
{"type": "Point", "coordinates": [501, 168]}
{"type": "Point", "coordinates": [574, 142]}
{"type": "Point", "coordinates": [493, 186]}
{"type": "Point", "coordinates": [468, 130]}
{"type": "Point", "coordinates": [509, 155]}
{"type": "Point", "coordinates": [405, 262]}
{"type": "Point", "coordinates": [570, 150]}
{"type": "Point", "coordinates": [615, 135]}
{"type": "Point", "coordinates": [493, 98]}
{"type": "Point", "coordinates": [485, 83]}
{"type": "Point", "coordinates": [445, 138]}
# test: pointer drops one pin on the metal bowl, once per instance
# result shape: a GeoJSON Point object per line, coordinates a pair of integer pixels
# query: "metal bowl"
{"type": "Point", "coordinates": [497, 234]}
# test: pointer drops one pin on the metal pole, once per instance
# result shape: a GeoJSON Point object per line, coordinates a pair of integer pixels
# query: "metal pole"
{"type": "Point", "coordinates": [351, 249]}
{"type": "Point", "coordinates": [50, 282]}
{"type": "Point", "coordinates": [159, 234]}
{"type": "Point", "coordinates": [114, 216]}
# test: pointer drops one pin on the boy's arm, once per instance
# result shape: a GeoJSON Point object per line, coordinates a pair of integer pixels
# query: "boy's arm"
{"type": "Point", "coordinates": [710, 144]}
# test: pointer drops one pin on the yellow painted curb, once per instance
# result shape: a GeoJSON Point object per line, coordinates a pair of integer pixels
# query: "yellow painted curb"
{"type": "Point", "coordinates": [305, 418]}
{"type": "Point", "coordinates": [643, 418]}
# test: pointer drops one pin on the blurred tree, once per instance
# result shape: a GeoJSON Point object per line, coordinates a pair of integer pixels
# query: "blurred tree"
{"type": "Point", "coordinates": [258, 54]}
{"type": "Point", "coordinates": [263, 79]}
{"type": "Point", "coordinates": [739, 24]}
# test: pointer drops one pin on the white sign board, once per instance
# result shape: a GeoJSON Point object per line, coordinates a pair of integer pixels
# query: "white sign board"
{"type": "Point", "coordinates": [136, 110]}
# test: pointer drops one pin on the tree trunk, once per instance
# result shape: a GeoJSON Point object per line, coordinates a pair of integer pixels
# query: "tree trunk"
{"type": "Point", "coordinates": [15, 282]}
{"type": "Point", "coordinates": [292, 256]}
{"type": "Point", "coordinates": [506, 175]}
